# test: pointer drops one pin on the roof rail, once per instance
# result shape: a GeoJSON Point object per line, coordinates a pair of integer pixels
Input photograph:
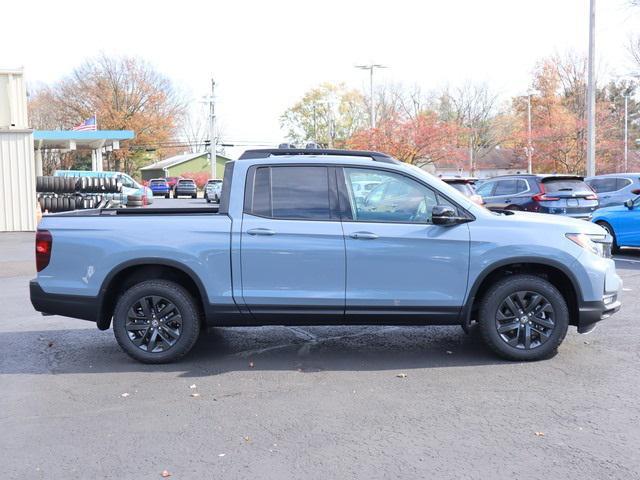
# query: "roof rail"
{"type": "Point", "coordinates": [269, 152]}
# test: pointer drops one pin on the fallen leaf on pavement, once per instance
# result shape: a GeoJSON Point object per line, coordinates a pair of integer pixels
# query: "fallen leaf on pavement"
{"type": "Point", "coordinates": [125, 394]}
{"type": "Point", "coordinates": [247, 439]}
{"type": "Point", "coordinates": [193, 386]}
{"type": "Point", "coordinates": [195, 394]}
{"type": "Point", "coordinates": [401, 375]}
{"type": "Point", "coordinates": [539, 434]}
{"type": "Point", "coordinates": [221, 454]}
{"type": "Point", "coordinates": [50, 344]}
{"type": "Point", "coordinates": [165, 474]}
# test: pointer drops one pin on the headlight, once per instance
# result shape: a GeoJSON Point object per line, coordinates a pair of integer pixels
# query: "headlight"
{"type": "Point", "coordinates": [597, 244]}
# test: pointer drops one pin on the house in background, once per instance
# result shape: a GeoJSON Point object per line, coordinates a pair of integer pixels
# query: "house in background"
{"type": "Point", "coordinates": [181, 164]}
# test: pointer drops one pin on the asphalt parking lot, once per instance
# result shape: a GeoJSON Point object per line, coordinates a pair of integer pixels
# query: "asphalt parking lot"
{"type": "Point", "coordinates": [313, 403]}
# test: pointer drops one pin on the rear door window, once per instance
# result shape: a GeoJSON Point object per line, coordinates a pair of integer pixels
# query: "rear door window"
{"type": "Point", "coordinates": [506, 187]}
{"type": "Point", "coordinates": [291, 192]}
{"type": "Point", "coordinates": [602, 185]}
{"type": "Point", "coordinates": [622, 183]}
{"type": "Point", "coordinates": [484, 190]}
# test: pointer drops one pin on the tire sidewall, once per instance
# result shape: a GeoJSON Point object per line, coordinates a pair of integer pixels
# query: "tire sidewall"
{"type": "Point", "coordinates": [185, 305]}
{"type": "Point", "coordinates": [496, 295]}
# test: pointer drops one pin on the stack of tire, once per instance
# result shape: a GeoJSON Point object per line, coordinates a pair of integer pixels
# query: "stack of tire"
{"type": "Point", "coordinates": [62, 194]}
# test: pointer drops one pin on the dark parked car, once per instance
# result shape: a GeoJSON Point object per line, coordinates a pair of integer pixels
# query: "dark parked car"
{"type": "Point", "coordinates": [159, 186]}
{"type": "Point", "coordinates": [558, 194]}
{"type": "Point", "coordinates": [185, 188]}
{"type": "Point", "coordinates": [466, 186]}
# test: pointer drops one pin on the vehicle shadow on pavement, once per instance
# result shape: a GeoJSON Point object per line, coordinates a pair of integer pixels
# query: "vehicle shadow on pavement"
{"type": "Point", "coordinates": [220, 350]}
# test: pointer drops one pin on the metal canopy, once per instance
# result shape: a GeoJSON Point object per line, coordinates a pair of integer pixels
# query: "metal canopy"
{"type": "Point", "coordinates": [97, 141]}
{"type": "Point", "coordinates": [72, 139]}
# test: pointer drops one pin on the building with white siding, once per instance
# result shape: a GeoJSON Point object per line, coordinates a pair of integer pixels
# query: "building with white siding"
{"type": "Point", "coordinates": [17, 167]}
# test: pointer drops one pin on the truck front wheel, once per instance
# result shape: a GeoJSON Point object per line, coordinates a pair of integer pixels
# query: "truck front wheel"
{"type": "Point", "coordinates": [156, 321]}
{"type": "Point", "coordinates": [523, 317]}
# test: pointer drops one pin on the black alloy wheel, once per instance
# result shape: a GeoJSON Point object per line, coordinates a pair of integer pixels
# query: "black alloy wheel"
{"type": "Point", "coordinates": [523, 317]}
{"type": "Point", "coordinates": [154, 324]}
{"type": "Point", "coordinates": [525, 320]}
{"type": "Point", "coordinates": [157, 321]}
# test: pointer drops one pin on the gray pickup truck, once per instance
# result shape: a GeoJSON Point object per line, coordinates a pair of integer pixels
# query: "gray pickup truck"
{"type": "Point", "coordinates": [292, 242]}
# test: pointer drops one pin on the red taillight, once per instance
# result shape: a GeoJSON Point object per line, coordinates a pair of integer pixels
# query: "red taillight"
{"type": "Point", "coordinates": [44, 241]}
{"type": "Point", "coordinates": [542, 197]}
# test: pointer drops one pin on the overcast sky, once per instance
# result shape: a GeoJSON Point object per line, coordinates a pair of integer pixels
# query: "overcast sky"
{"type": "Point", "coordinates": [265, 54]}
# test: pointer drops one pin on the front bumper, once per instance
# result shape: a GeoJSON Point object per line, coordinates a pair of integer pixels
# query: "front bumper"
{"type": "Point", "coordinates": [590, 313]}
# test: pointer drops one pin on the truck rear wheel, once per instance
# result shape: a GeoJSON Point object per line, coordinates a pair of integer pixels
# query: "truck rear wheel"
{"type": "Point", "coordinates": [156, 321]}
{"type": "Point", "coordinates": [523, 317]}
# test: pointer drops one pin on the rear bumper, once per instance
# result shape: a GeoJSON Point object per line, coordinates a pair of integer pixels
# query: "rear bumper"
{"type": "Point", "coordinates": [74, 306]}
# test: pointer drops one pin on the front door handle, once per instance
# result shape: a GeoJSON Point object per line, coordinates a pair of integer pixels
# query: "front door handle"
{"type": "Point", "coordinates": [261, 231]}
{"type": "Point", "coordinates": [364, 236]}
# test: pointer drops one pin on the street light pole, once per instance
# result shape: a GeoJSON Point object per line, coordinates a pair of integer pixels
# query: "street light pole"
{"type": "Point", "coordinates": [371, 67]}
{"type": "Point", "coordinates": [212, 129]}
{"type": "Point", "coordinates": [591, 93]}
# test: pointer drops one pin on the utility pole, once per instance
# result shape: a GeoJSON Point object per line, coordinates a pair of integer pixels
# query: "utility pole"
{"type": "Point", "coordinates": [591, 93]}
{"type": "Point", "coordinates": [212, 129]}
{"type": "Point", "coordinates": [371, 67]}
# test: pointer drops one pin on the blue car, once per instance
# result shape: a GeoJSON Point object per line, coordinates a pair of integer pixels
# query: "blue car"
{"type": "Point", "coordinates": [159, 186]}
{"type": "Point", "coordinates": [622, 222]}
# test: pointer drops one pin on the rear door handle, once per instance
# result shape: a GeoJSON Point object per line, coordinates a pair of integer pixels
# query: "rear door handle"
{"type": "Point", "coordinates": [363, 236]}
{"type": "Point", "coordinates": [261, 231]}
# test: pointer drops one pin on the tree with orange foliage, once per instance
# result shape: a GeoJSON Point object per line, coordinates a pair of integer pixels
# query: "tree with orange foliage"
{"type": "Point", "coordinates": [418, 140]}
{"type": "Point", "coordinates": [559, 120]}
{"type": "Point", "coordinates": [124, 93]}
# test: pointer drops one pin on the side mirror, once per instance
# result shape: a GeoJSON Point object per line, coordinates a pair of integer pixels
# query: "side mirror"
{"type": "Point", "coordinates": [629, 204]}
{"type": "Point", "coordinates": [445, 215]}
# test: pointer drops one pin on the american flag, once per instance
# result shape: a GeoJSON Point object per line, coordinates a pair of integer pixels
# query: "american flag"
{"type": "Point", "coordinates": [89, 125]}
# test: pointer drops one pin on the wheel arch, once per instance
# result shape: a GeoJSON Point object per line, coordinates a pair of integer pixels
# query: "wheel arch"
{"type": "Point", "coordinates": [558, 274]}
{"type": "Point", "coordinates": [131, 272]}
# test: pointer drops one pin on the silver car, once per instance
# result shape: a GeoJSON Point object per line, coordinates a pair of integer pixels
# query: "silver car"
{"type": "Point", "coordinates": [615, 188]}
{"type": "Point", "coordinates": [213, 190]}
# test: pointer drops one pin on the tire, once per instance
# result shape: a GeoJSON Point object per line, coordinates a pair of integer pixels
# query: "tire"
{"type": "Point", "coordinates": [194, 196]}
{"type": "Point", "coordinates": [47, 204]}
{"type": "Point", "coordinates": [163, 351]}
{"type": "Point", "coordinates": [615, 248]}
{"type": "Point", "coordinates": [39, 184]}
{"type": "Point", "coordinates": [166, 195]}
{"type": "Point", "coordinates": [554, 315]}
